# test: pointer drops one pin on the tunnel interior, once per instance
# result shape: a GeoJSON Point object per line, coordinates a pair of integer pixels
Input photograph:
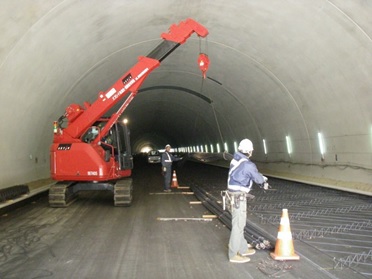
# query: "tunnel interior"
{"type": "Point", "coordinates": [292, 77]}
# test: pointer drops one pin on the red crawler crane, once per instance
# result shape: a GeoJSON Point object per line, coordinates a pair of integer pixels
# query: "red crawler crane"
{"type": "Point", "coordinates": [92, 152]}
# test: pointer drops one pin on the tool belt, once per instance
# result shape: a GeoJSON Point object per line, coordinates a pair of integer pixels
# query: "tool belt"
{"type": "Point", "coordinates": [231, 199]}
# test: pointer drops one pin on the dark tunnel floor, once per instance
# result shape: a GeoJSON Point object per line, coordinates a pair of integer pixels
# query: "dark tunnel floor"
{"type": "Point", "coordinates": [93, 239]}
{"type": "Point", "coordinates": [330, 227]}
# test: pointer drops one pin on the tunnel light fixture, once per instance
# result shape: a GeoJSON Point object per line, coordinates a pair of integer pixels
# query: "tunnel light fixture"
{"type": "Point", "coordinates": [289, 145]}
{"type": "Point", "coordinates": [321, 145]}
{"type": "Point", "coordinates": [197, 148]}
{"type": "Point", "coordinates": [235, 146]}
{"type": "Point", "coordinates": [206, 148]}
{"type": "Point", "coordinates": [212, 150]}
{"type": "Point", "coordinates": [218, 148]}
{"type": "Point", "coordinates": [125, 121]}
{"type": "Point", "coordinates": [264, 146]}
{"type": "Point", "coordinates": [226, 147]}
{"type": "Point", "coordinates": [146, 149]}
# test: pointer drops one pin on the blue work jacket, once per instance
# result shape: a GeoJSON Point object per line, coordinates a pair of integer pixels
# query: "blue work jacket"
{"type": "Point", "coordinates": [167, 159]}
{"type": "Point", "coordinates": [243, 172]}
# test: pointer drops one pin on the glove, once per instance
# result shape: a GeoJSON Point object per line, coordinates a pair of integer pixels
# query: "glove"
{"type": "Point", "coordinates": [164, 169]}
{"type": "Point", "coordinates": [265, 178]}
{"type": "Point", "coordinates": [266, 186]}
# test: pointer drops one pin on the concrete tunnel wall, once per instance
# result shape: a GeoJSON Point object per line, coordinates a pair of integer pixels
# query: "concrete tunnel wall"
{"type": "Point", "coordinates": [278, 68]}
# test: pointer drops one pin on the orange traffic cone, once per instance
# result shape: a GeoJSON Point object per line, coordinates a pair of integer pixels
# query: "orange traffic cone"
{"type": "Point", "coordinates": [174, 180]}
{"type": "Point", "coordinates": [284, 249]}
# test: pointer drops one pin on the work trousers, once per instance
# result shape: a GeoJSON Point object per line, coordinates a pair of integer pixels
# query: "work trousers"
{"type": "Point", "coordinates": [237, 242]}
{"type": "Point", "coordinates": [167, 178]}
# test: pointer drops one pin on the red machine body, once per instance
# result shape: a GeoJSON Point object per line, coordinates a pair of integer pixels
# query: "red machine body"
{"type": "Point", "coordinates": [94, 150]}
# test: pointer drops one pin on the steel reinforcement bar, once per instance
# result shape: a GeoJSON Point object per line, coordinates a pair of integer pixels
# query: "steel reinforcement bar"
{"type": "Point", "coordinates": [314, 213]}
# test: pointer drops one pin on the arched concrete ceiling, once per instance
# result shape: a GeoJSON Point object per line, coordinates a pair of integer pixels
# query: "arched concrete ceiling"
{"type": "Point", "coordinates": [278, 68]}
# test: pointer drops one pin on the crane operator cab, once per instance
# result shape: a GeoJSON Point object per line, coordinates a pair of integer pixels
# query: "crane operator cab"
{"type": "Point", "coordinates": [91, 134]}
{"type": "Point", "coordinates": [109, 150]}
{"type": "Point", "coordinates": [116, 143]}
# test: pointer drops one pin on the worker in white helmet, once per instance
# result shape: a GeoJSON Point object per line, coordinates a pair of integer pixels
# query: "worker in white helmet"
{"type": "Point", "coordinates": [243, 172]}
{"type": "Point", "coordinates": [166, 162]}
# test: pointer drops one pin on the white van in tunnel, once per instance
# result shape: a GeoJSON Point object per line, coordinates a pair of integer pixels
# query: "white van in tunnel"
{"type": "Point", "coordinates": [153, 157]}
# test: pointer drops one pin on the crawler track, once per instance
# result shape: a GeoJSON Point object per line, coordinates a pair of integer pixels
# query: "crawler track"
{"type": "Point", "coordinates": [61, 195]}
{"type": "Point", "coordinates": [123, 192]}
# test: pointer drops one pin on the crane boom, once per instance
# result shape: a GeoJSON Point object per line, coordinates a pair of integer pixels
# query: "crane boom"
{"type": "Point", "coordinates": [80, 119]}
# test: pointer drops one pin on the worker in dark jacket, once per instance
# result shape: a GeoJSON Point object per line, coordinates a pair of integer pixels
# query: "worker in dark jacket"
{"type": "Point", "coordinates": [166, 162]}
{"type": "Point", "coordinates": [242, 173]}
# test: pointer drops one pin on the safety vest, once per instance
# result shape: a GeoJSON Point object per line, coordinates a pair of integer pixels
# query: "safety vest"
{"type": "Point", "coordinates": [169, 158]}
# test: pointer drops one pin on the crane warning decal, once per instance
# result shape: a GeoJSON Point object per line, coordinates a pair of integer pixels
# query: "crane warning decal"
{"type": "Point", "coordinates": [64, 146]}
{"type": "Point", "coordinates": [127, 78]}
{"type": "Point", "coordinates": [110, 93]}
{"type": "Point", "coordinates": [142, 73]}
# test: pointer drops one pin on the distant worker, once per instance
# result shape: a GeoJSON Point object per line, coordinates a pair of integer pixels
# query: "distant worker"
{"type": "Point", "coordinates": [242, 173]}
{"type": "Point", "coordinates": [166, 162]}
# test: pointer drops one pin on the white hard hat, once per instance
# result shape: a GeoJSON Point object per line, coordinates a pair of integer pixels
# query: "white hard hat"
{"type": "Point", "coordinates": [167, 146]}
{"type": "Point", "coordinates": [245, 146]}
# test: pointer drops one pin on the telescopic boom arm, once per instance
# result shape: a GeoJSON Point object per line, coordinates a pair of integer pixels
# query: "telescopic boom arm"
{"type": "Point", "coordinates": [80, 119]}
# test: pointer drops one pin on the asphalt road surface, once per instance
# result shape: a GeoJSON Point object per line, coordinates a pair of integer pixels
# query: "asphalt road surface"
{"type": "Point", "coordinates": [161, 235]}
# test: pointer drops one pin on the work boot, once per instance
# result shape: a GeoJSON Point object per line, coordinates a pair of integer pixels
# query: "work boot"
{"type": "Point", "coordinates": [249, 252]}
{"type": "Point", "coordinates": [239, 259]}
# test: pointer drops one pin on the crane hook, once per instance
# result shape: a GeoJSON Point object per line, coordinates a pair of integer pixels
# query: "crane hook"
{"type": "Point", "coordinates": [203, 62]}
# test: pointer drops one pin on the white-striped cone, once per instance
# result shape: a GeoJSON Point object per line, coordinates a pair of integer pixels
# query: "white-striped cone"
{"type": "Point", "coordinates": [284, 249]}
{"type": "Point", "coordinates": [174, 180]}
